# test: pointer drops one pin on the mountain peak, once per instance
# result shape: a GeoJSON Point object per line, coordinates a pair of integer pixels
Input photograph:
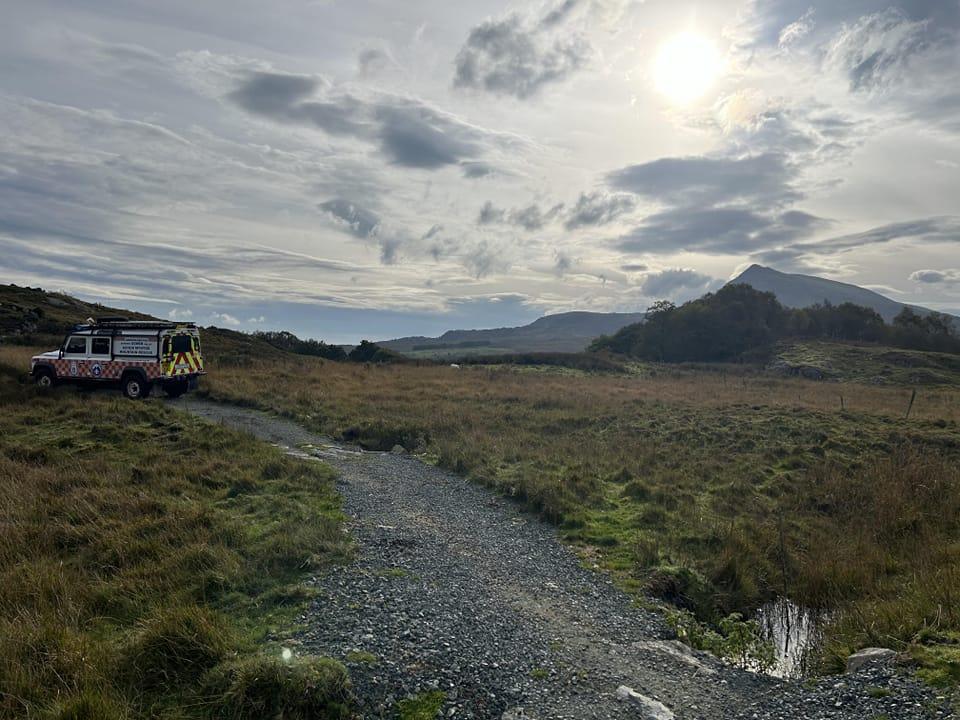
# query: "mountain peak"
{"type": "Point", "coordinates": [796, 291]}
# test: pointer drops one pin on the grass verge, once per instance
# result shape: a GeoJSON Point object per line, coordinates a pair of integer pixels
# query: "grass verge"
{"type": "Point", "coordinates": [147, 560]}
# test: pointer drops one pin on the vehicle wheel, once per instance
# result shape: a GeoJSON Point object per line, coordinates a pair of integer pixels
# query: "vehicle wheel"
{"type": "Point", "coordinates": [175, 389]}
{"type": "Point", "coordinates": [134, 387]}
{"type": "Point", "coordinates": [44, 378]}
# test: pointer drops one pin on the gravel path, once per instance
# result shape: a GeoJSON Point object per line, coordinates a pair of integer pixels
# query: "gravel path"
{"type": "Point", "coordinates": [455, 589]}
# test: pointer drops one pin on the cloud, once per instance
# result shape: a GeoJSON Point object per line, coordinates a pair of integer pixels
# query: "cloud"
{"type": "Point", "coordinates": [634, 267]}
{"type": "Point", "coordinates": [529, 218]}
{"type": "Point", "coordinates": [934, 277]}
{"type": "Point", "coordinates": [180, 314]}
{"type": "Point", "coordinates": [484, 259]}
{"type": "Point", "coordinates": [476, 169]}
{"type": "Point", "coordinates": [876, 49]}
{"type": "Point", "coordinates": [409, 132]}
{"type": "Point", "coordinates": [225, 318]}
{"type": "Point", "coordinates": [716, 230]}
{"type": "Point", "coordinates": [598, 208]}
{"type": "Point", "coordinates": [489, 214]}
{"type": "Point", "coordinates": [702, 180]}
{"type": "Point", "coordinates": [796, 31]}
{"type": "Point", "coordinates": [358, 221]}
{"type": "Point", "coordinates": [372, 61]}
{"type": "Point", "coordinates": [519, 57]}
{"type": "Point", "coordinates": [674, 282]}
{"type": "Point", "coordinates": [930, 230]}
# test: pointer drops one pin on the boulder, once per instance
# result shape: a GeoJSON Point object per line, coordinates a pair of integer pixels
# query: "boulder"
{"type": "Point", "coordinates": [649, 708]}
{"type": "Point", "coordinates": [398, 450]}
{"type": "Point", "coordinates": [869, 656]}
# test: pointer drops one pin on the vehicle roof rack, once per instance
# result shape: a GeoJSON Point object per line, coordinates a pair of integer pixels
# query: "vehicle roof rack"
{"type": "Point", "coordinates": [124, 324]}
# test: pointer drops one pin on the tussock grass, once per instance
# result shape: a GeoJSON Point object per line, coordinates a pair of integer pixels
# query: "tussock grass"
{"type": "Point", "coordinates": [142, 552]}
{"type": "Point", "coordinates": [715, 488]}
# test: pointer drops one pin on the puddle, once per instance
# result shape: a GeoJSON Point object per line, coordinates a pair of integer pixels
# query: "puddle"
{"type": "Point", "coordinates": [796, 634]}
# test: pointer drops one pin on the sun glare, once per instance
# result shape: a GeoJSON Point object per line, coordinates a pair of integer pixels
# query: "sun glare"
{"type": "Point", "coordinates": [686, 66]}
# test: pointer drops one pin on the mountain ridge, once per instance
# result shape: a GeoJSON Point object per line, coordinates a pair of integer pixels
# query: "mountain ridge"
{"type": "Point", "coordinates": [796, 290]}
{"type": "Point", "coordinates": [561, 332]}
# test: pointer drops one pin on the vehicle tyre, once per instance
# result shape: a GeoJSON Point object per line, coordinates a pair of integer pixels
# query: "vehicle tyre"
{"type": "Point", "coordinates": [175, 389]}
{"type": "Point", "coordinates": [134, 386]}
{"type": "Point", "coordinates": [44, 378]}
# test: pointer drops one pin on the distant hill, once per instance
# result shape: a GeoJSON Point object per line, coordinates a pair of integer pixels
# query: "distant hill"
{"type": "Point", "coordinates": [35, 317]}
{"type": "Point", "coordinates": [799, 291]}
{"type": "Point", "coordinates": [563, 332]}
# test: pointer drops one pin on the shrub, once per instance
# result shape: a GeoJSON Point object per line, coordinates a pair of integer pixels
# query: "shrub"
{"type": "Point", "coordinates": [306, 688]}
{"type": "Point", "coordinates": [175, 644]}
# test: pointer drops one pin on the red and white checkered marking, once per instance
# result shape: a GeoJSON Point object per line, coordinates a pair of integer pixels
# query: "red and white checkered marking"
{"type": "Point", "coordinates": [94, 369]}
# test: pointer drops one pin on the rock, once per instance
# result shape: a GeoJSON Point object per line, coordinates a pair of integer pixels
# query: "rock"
{"type": "Point", "coordinates": [869, 656]}
{"type": "Point", "coordinates": [650, 709]}
{"type": "Point", "coordinates": [676, 649]}
{"type": "Point", "coordinates": [398, 450]}
{"type": "Point", "coordinates": [515, 713]}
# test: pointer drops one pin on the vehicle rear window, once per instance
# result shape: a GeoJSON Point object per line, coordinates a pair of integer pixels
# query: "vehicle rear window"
{"type": "Point", "coordinates": [182, 343]}
{"type": "Point", "coordinates": [77, 345]}
{"type": "Point", "coordinates": [100, 346]}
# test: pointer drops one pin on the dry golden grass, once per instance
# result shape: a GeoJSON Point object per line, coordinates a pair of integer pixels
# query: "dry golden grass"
{"type": "Point", "coordinates": [718, 489]}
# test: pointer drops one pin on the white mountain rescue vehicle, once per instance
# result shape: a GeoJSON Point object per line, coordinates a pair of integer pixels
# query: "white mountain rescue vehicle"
{"type": "Point", "coordinates": [137, 354]}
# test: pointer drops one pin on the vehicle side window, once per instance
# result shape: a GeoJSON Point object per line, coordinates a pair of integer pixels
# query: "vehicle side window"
{"type": "Point", "coordinates": [166, 345]}
{"type": "Point", "coordinates": [76, 346]}
{"type": "Point", "coordinates": [100, 346]}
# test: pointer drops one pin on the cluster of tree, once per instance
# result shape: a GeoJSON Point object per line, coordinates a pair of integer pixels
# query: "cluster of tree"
{"type": "Point", "coordinates": [291, 343]}
{"type": "Point", "coordinates": [370, 352]}
{"type": "Point", "coordinates": [738, 321]}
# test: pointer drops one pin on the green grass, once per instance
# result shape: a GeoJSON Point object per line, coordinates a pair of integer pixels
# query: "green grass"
{"type": "Point", "coordinates": [425, 706]}
{"type": "Point", "coordinates": [873, 363]}
{"type": "Point", "coordinates": [149, 563]}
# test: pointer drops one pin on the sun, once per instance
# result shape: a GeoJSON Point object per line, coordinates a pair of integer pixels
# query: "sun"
{"type": "Point", "coordinates": [686, 66]}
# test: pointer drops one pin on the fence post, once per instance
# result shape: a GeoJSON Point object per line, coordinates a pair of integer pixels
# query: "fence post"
{"type": "Point", "coordinates": [913, 396]}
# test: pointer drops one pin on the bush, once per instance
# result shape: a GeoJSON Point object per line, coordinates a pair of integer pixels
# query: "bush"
{"type": "Point", "coordinates": [176, 644]}
{"type": "Point", "coordinates": [307, 688]}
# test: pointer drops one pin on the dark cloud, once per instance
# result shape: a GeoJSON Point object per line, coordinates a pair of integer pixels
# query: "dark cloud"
{"type": "Point", "coordinates": [358, 221]}
{"type": "Point", "coordinates": [475, 169]}
{"type": "Point", "coordinates": [802, 256]}
{"type": "Point", "coordinates": [672, 282]}
{"type": "Point", "coordinates": [409, 132]}
{"type": "Point", "coordinates": [529, 218]}
{"type": "Point", "coordinates": [716, 230]}
{"type": "Point", "coordinates": [371, 61]}
{"type": "Point", "coordinates": [416, 136]}
{"type": "Point", "coordinates": [489, 214]}
{"type": "Point", "coordinates": [263, 93]}
{"type": "Point", "coordinates": [634, 267]}
{"type": "Point", "coordinates": [598, 208]}
{"type": "Point", "coordinates": [933, 277]}
{"type": "Point", "coordinates": [513, 56]}
{"type": "Point", "coordinates": [483, 259]}
{"type": "Point", "coordinates": [701, 180]}
{"type": "Point", "coordinates": [929, 230]}
{"type": "Point", "coordinates": [562, 263]}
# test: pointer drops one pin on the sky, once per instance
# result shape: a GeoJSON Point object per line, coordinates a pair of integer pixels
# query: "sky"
{"type": "Point", "coordinates": [351, 169]}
